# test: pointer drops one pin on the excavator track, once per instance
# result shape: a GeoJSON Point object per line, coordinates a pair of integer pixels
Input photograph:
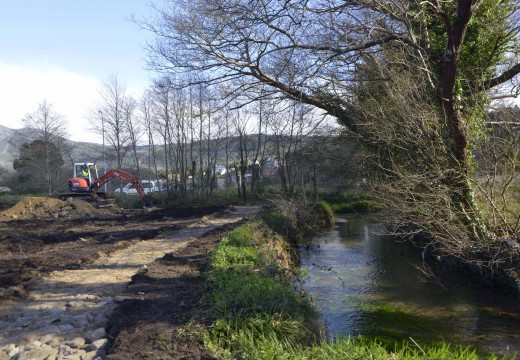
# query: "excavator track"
{"type": "Point", "coordinates": [99, 198]}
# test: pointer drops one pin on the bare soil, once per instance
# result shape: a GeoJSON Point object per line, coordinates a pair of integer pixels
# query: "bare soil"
{"type": "Point", "coordinates": [156, 322]}
{"type": "Point", "coordinates": [43, 239]}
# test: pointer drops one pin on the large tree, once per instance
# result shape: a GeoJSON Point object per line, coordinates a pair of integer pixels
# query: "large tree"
{"type": "Point", "coordinates": [326, 52]}
{"type": "Point", "coordinates": [44, 154]}
{"type": "Point", "coordinates": [39, 166]}
{"type": "Point", "coordinates": [113, 115]}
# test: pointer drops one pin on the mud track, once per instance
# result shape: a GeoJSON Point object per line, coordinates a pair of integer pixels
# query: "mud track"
{"type": "Point", "coordinates": [105, 287]}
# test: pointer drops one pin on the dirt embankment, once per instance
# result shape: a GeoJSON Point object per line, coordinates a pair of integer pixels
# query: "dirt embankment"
{"type": "Point", "coordinates": [62, 276]}
{"type": "Point", "coordinates": [47, 208]}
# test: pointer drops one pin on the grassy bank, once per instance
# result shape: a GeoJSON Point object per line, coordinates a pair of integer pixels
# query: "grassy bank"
{"type": "Point", "coordinates": [255, 312]}
{"type": "Point", "coordinates": [350, 202]}
{"type": "Point", "coordinates": [255, 308]}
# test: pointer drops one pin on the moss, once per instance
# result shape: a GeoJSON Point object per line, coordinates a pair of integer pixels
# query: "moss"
{"type": "Point", "coordinates": [394, 323]}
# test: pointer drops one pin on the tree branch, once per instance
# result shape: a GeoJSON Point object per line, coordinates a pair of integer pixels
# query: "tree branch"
{"type": "Point", "coordinates": [505, 76]}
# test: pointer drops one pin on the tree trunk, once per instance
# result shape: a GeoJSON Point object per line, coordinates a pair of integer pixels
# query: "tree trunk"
{"type": "Point", "coordinates": [457, 133]}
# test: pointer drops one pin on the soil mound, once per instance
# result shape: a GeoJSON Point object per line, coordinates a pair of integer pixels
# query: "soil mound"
{"type": "Point", "coordinates": [47, 207]}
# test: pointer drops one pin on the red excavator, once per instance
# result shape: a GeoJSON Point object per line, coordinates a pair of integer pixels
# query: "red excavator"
{"type": "Point", "coordinates": [85, 184]}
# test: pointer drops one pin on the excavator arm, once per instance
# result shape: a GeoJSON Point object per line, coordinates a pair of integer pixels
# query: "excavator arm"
{"type": "Point", "coordinates": [123, 175]}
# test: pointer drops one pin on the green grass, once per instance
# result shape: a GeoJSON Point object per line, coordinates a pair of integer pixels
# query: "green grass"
{"type": "Point", "coordinates": [299, 222]}
{"type": "Point", "coordinates": [254, 310]}
{"type": "Point", "coordinates": [364, 348]}
{"type": "Point", "coordinates": [256, 314]}
{"type": "Point", "coordinates": [348, 202]}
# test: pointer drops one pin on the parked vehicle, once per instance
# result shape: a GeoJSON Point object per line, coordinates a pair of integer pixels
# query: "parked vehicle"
{"type": "Point", "coordinates": [149, 186]}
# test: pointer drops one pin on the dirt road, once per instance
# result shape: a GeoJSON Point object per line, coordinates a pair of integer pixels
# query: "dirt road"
{"type": "Point", "coordinates": [63, 278]}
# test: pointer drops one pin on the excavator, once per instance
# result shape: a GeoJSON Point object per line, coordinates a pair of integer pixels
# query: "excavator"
{"type": "Point", "coordinates": [85, 184]}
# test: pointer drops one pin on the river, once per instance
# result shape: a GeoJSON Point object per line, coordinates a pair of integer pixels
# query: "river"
{"type": "Point", "coordinates": [366, 284]}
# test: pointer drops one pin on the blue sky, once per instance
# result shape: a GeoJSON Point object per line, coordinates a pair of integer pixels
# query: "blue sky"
{"type": "Point", "coordinates": [63, 50]}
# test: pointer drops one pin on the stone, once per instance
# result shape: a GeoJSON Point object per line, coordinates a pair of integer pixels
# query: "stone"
{"type": "Point", "coordinates": [30, 337]}
{"type": "Point", "coordinates": [106, 299]}
{"type": "Point", "coordinates": [14, 352]}
{"type": "Point", "coordinates": [29, 347]}
{"type": "Point", "coordinates": [91, 355]}
{"type": "Point", "coordinates": [97, 334]}
{"type": "Point", "coordinates": [77, 342]}
{"type": "Point", "coordinates": [55, 312]}
{"type": "Point", "coordinates": [74, 304]}
{"type": "Point", "coordinates": [98, 345]}
{"type": "Point", "coordinates": [65, 328]}
{"type": "Point", "coordinates": [77, 355]}
{"type": "Point", "coordinates": [81, 321]}
{"type": "Point", "coordinates": [99, 322]}
{"type": "Point", "coordinates": [40, 354]}
{"type": "Point", "coordinates": [92, 298]}
{"type": "Point", "coordinates": [67, 351]}
{"type": "Point", "coordinates": [45, 339]}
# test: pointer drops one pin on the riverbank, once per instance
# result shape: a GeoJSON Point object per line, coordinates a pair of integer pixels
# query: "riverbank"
{"type": "Point", "coordinates": [252, 311]}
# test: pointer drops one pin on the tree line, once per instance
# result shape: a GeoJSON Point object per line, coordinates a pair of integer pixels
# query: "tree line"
{"type": "Point", "coordinates": [193, 140]}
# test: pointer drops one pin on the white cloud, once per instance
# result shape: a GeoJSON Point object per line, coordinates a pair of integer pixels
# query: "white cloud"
{"type": "Point", "coordinates": [23, 87]}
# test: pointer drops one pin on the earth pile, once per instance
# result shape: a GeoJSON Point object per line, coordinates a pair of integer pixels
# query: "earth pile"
{"type": "Point", "coordinates": [48, 207]}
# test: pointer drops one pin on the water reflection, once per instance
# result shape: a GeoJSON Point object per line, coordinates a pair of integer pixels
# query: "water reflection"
{"type": "Point", "coordinates": [366, 284]}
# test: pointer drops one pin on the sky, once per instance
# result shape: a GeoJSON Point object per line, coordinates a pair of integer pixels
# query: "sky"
{"type": "Point", "coordinates": [62, 51]}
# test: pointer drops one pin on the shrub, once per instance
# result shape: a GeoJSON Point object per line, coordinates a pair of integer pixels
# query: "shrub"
{"type": "Point", "coordinates": [324, 214]}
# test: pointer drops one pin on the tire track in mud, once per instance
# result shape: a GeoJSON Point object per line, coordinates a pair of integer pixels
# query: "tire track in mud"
{"type": "Point", "coordinates": [66, 313]}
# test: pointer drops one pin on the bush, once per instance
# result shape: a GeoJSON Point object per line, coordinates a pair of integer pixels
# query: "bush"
{"type": "Point", "coordinates": [297, 220]}
{"type": "Point", "coordinates": [324, 214]}
{"type": "Point", "coordinates": [348, 202]}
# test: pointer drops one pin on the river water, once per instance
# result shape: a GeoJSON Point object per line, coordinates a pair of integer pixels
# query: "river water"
{"type": "Point", "coordinates": [366, 284]}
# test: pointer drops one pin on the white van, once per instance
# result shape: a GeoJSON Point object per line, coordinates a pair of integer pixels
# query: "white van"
{"type": "Point", "coordinates": [149, 186]}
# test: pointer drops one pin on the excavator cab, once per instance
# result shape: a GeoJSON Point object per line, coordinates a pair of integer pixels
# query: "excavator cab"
{"type": "Point", "coordinates": [84, 175]}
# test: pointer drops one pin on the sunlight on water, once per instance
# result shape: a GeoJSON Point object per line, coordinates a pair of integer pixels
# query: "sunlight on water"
{"type": "Point", "coordinates": [363, 283]}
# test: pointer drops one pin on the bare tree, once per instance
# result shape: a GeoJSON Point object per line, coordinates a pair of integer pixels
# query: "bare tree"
{"type": "Point", "coordinates": [134, 131]}
{"type": "Point", "coordinates": [240, 121]}
{"type": "Point", "coordinates": [49, 129]}
{"type": "Point", "coordinates": [162, 108]}
{"type": "Point", "coordinates": [498, 180]}
{"type": "Point", "coordinates": [290, 126]}
{"type": "Point", "coordinates": [148, 120]}
{"type": "Point", "coordinates": [112, 115]}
